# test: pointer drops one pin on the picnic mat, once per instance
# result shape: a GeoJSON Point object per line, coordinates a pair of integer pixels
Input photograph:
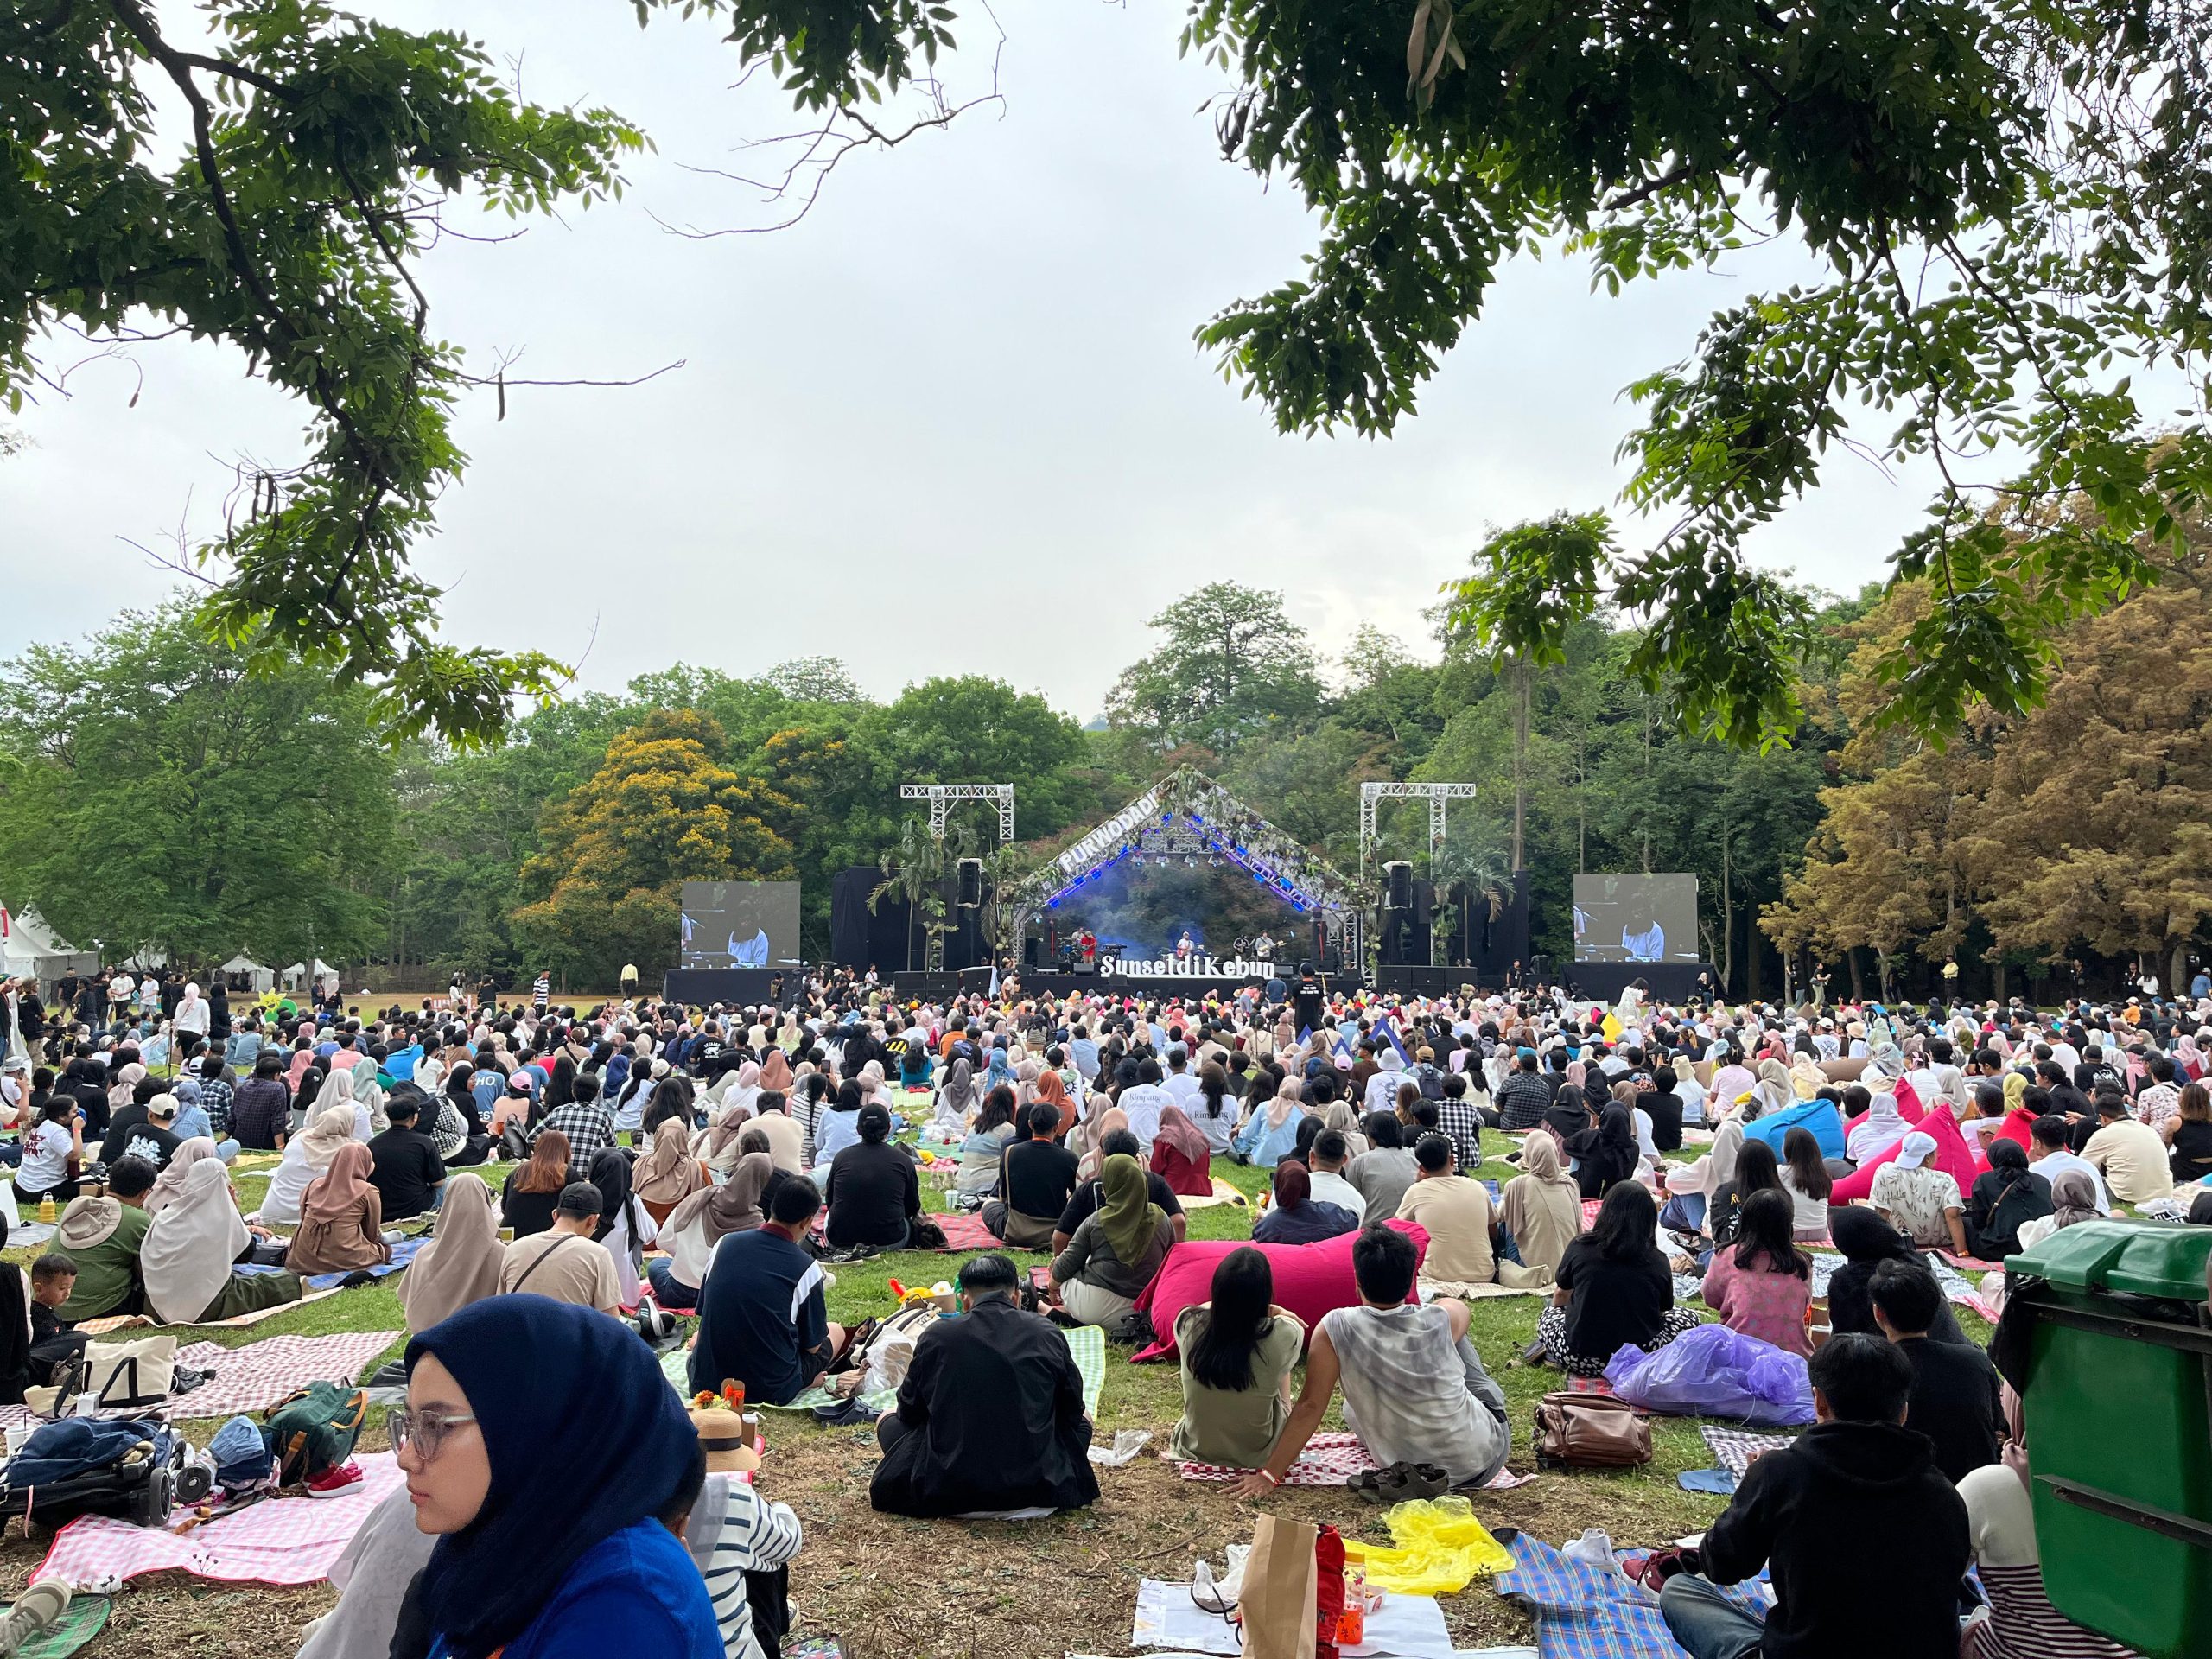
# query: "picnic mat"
{"type": "Point", "coordinates": [281, 1541]}
{"type": "Point", "coordinates": [1734, 1448]}
{"type": "Point", "coordinates": [1087, 1343]}
{"type": "Point", "coordinates": [236, 1322]}
{"type": "Point", "coordinates": [84, 1617]}
{"type": "Point", "coordinates": [1410, 1626]}
{"type": "Point", "coordinates": [1956, 1286]}
{"type": "Point", "coordinates": [1330, 1459]}
{"type": "Point", "coordinates": [254, 1377]}
{"type": "Point", "coordinates": [22, 1235]}
{"type": "Point", "coordinates": [402, 1254]}
{"type": "Point", "coordinates": [1223, 1193]}
{"type": "Point", "coordinates": [1582, 1613]}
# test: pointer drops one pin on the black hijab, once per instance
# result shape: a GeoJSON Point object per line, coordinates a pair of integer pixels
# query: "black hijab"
{"type": "Point", "coordinates": [1867, 1241]}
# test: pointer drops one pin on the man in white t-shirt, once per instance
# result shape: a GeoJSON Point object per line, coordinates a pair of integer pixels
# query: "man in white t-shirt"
{"type": "Point", "coordinates": [1382, 1094]}
{"type": "Point", "coordinates": [1178, 1082]}
{"type": "Point", "coordinates": [2051, 1160]}
{"type": "Point", "coordinates": [1143, 1100]}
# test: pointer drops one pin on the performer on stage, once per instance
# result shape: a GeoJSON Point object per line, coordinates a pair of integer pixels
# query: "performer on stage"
{"type": "Point", "coordinates": [1263, 948]}
{"type": "Point", "coordinates": [1087, 952]}
{"type": "Point", "coordinates": [1187, 947]}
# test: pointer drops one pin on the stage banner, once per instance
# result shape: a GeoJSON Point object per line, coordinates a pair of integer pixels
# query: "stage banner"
{"type": "Point", "coordinates": [1193, 966]}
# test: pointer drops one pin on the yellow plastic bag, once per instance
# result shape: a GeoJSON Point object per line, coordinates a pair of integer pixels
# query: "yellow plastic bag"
{"type": "Point", "coordinates": [1441, 1547]}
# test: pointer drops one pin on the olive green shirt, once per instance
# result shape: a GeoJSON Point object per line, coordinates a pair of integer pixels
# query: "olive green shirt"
{"type": "Point", "coordinates": [107, 1273]}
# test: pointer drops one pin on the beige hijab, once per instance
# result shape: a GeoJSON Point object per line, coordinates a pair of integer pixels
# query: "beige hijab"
{"type": "Point", "coordinates": [186, 1259]}
{"type": "Point", "coordinates": [668, 1174]}
{"type": "Point", "coordinates": [460, 1264]}
{"type": "Point", "coordinates": [168, 1186]}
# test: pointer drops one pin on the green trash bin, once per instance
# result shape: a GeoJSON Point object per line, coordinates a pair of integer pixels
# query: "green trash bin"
{"type": "Point", "coordinates": [2119, 1409]}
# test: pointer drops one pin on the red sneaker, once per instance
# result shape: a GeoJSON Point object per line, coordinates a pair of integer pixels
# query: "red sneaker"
{"type": "Point", "coordinates": [335, 1482]}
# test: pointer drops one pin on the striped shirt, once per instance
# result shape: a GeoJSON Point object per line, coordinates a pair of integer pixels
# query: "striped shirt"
{"type": "Point", "coordinates": [755, 1535]}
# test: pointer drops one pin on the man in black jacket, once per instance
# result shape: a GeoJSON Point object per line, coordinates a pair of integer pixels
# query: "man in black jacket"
{"type": "Point", "coordinates": [1858, 1473]}
{"type": "Point", "coordinates": [990, 1417]}
{"type": "Point", "coordinates": [1955, 1400]}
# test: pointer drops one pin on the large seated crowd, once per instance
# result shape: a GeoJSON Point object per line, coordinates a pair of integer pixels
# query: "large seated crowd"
{"type": "Point", "coordinates": [726, 1162]}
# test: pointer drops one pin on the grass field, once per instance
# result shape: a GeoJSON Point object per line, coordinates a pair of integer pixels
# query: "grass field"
{"type": "Point", "coordinates": [890, 1587]}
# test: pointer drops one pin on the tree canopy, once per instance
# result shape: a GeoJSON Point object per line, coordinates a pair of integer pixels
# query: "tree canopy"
{"type": "Point", "coordinates": [2010, 201]}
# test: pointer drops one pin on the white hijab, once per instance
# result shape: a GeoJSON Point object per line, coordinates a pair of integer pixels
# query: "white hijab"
{"type": "Point", "coordinates": [1884, 1128]}
{"type": "Point", "coordinates": [186, 1259]}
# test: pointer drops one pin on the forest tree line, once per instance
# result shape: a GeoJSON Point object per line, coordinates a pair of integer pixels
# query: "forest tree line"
{"type": "Point", "coordinates": [152, 793]}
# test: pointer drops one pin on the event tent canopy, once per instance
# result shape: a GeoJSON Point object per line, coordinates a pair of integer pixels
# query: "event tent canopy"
{"type": "Point", "coordinates": [259, 975]}
{"type": "Point", "coordinates": [29, 950]}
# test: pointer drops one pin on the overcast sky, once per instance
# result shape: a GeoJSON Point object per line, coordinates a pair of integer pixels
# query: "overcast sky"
{"type": "Point", "coordinates": [953, 421]}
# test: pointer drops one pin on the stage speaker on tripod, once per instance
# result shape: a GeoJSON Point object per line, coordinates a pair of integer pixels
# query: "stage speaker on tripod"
{"type": "Point", "coordinates": [1397, 885]}
{"type": "Point", "coordinates": [970, 892]}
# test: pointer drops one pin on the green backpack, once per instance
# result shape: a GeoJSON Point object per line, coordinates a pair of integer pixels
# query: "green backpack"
{"type": "Point", "coordinates": [313, 1430]}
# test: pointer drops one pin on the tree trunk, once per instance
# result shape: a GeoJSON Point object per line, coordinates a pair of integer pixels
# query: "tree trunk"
{"type": "Point", "coordinates": [2178, 968]}
{"type": "Point", "coordinates": [1727, 923]}
{"type": "Point", "coordinates": [1521, 764]}
{"type": "Point", "coordinates": [1858, 979]}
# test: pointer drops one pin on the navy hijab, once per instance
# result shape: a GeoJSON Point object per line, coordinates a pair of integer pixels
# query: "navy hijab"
{"type": "Point", "coordinates": [586, 1438]}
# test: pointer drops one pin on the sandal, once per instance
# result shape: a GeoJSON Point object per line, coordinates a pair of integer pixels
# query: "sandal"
{"type": "Point", "coordinates": [1425, 1480]}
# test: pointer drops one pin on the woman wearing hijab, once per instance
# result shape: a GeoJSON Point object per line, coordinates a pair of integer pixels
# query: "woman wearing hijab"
{"type": "Point", "coordinates": [624, 1226]}
{"type": "Point", "coordinates": [460, 1263]}
{"type": "Point", "coordinates": [704, 1219]}
{"type": "Point", "coordinates": [1606, 1155]}
{"type": "Point", "coordinates": [342, 1220]}
{"type": "Point", "coordinates": [1882, 1128]}
{"type": "Point", "coordinates": [1346, 1122]}
{"type": "Point", "coordinates": [2003, 1197]}
{"type": "Point", "coordinates": [1115, 1253]}
{"type": "Point", "coordinates": [308, 1155]}
{"type": "Point", "coordinates": [1867, 1241]}
{"type": "Point", "coordinates": [187, 1256]}
{"type": "Point", "coordinates": [956, 1099]}
{"type": "Point", "coordinates": [668, 1174]}
{"type": "Point", "coordinates": [453, 1119]}
{"type": "Point", "coordinates": [1806, 1078]}
{"type": "Point", "coordinates": [1270, 1132]}
{"type": "Point", "coordinates": [776, 1072]}
{"type": "Point", "coordinates": [1181, 1156]}
{"type": "Point", "coordinates": [1296, 1217]}
{"type": "Point", "coordinates": [1052, 1091]}
{"type": "Point", "coordinates": [1089, 1139]}
{"type": "Point", "coordinates": [1541, 1207]}
{"type": "Point", "coordinates": [542, 1449]}
{"type": "Point", "coordinates": [2074, 1199]}
{"type": "Point", "coordinates": [168, 1186]}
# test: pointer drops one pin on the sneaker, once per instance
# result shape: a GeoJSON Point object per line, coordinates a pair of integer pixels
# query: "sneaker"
{"type": "Point", "coordinates": [336, 1482]}
{"type": "Point", "coordinates": [39, 1608]}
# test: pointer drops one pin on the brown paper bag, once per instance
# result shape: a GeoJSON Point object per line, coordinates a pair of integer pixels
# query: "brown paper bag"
{"type": "Point", "coordinates": [1276, 1606]}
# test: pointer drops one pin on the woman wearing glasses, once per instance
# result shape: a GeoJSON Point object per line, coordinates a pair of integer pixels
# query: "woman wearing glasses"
{"type": "Point", "coordinates": [541, 1447]}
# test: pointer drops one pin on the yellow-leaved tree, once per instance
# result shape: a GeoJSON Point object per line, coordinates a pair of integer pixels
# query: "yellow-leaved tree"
{"type": "Point", "coordinates": [664, 808]}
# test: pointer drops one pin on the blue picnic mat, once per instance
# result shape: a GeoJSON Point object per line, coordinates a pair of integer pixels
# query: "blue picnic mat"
{"type": "Point", "coordinates": [1582, 1613]}
{"type": "Point", "coordinates": [402, 1254]}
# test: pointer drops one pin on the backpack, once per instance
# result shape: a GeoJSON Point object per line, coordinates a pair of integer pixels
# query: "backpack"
{"type": "Point", "coordinates": [313, 1430]}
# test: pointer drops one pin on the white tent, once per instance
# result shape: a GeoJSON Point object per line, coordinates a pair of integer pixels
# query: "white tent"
{"type": "Point", "coordinates": [243, 973]}
{"type": "Point", "coordinates": [28, 949]}
{"type": "Point", "coordinates": [295, 975]}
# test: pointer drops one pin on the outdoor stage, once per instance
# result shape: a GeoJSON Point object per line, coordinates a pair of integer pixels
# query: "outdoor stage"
{"type": "Point", "coordinates": [704, 987]}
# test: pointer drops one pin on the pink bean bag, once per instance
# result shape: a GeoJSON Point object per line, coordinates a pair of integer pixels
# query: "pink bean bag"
{"type": "Point", "coordinates": [1952, 1157]}
{"type": "Point", "coordinates": [1310, 1280]}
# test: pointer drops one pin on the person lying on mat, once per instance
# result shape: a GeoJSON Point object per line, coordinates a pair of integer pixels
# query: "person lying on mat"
{"type": "Point", "coordinates": [1238, 1350]}
{"type": "Point", "coordinates": [990, 1417]}
{"type": "Point", "coordinates": [1415, 1390]}
{"type": "Point", "coordinates": [543, 1451]}
{"type": "Point", "coordinates": [762, 1319]}
{"type": "Point", "coordinates": [1858, 1473]}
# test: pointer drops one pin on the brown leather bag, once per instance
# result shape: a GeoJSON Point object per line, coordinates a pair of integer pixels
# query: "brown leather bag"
{"type": "Point", "coordinates": [1589, 1431]}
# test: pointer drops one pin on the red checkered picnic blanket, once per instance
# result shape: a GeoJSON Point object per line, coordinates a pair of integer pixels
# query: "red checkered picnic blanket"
{"type": "Point", "coordinates": [257, 1375]}
{"type": "Point", "coordinates": [1329, 1460]}
{"type": "Point", "coordinates": [278, 1541]}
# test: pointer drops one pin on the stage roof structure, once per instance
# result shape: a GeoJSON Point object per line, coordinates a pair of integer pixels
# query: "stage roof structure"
{"type": "Point", "coordinates": [1187, 814]}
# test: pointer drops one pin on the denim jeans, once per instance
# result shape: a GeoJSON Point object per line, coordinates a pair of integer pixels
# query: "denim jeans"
{"type": "Point", "coordinates": [1707, 1623]}
{"type": "Point", "coordinates": [669, 1291]}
